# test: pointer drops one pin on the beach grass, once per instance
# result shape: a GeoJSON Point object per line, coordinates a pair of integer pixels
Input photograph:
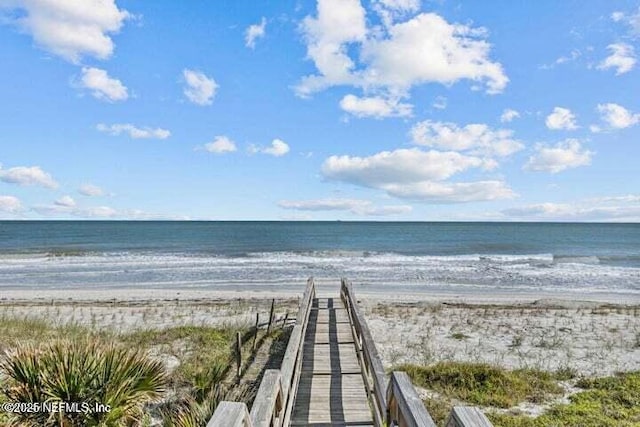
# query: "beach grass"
{"type": "Point", "coordinates": [597, 402]}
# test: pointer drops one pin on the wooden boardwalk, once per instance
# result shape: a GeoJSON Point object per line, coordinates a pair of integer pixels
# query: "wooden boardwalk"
{"type": "Point", "coordinates": [332, 375]}
{"type": "Point", "coordinates": [331, 391]}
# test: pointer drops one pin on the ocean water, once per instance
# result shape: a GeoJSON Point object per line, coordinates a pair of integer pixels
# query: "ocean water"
{"type": "Point", "coordinates": [421, 256]}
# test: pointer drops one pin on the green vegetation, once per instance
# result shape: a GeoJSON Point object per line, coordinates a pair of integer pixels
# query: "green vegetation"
{"type": "Point", "coordinates": [191, 363]}
{"type": "Point", "coordinates": [482, 384]}
{"type": "Point", "coordinates": [605, 402]}
{"type": "Point", "coordinates": [82, 371]}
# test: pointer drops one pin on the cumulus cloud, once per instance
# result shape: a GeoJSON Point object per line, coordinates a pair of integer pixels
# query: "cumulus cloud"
{"type": "Point", "coordinates": [561, 118]}
{"type": "Point", "coordinates": [440, 103]}
{"type": "Point", "coordinates": [254, 32]}
{"type": "Point", "coordinates": [220, 145]}
{"type": "Point", "coordinates": [622, 58]}
{"type": "Point", "coordinates": [613, 208]}
{"type": "Point", "coordinates": [564, 155]}
{"type": "Point", "coordinates": [65, 201]}
{"type": "Point", "coordinates": [199, 88]}
{"type": "Point", "coordinates": [375, 106]}
{"type": "Point", "coordinates": [70, 29]}
{"type": "Point", "coordinates": [355, 206]}
{"type": "Point", "coordinates": [277, 148]}
{"type": "Point", "coordinates": [10, 204]}
{"type": "Point", "coordinates": [134, 131]}
{"type": "Point", "coordinates": [91, 190]}
{"type": "Point", "coordinates": [27, 175]}
{"type": "Point", "coordinates": [509, 115]}
{"type": "Point", "coordinates": [388, 62]}
{"type": "Point", "coordinates": [102, 86]}
{"type": "Point", "coordinates": [478, 139]}
{"type": "Point", "coordinates": [616, 117]}
{"type": "Point", "coordinates": [417, 174]}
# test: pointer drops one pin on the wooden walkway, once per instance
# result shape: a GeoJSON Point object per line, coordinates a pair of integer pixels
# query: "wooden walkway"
{"type": "Point", "coordinates": [331, 391]}
{"type": "Point", "coordinates": [332, 375]}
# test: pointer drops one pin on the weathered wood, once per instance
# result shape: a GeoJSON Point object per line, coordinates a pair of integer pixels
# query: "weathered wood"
{"type": "Point", "coordinates": [331, 389]}
{"type": "Point", "coordinates": [267, 406]}
{"type": "Point", "coordinates": [286, 317]}
{"type": "Point", "coordinates": [255, 332]}
{"type": "Point", "coordinates": [291, 375]}
{"type": "Point", "coordinates": [467, 416]}
{"type": "Point", "coordinates": [405, 406]}
{"type": "Point", "coordinates": [273, 302]}
{"type": "Point", "coordinates": [370, 356]}
{"type": "Point", "coordinates": [230, 414]}
{"type": "Point", "coordinates": [238, 354]}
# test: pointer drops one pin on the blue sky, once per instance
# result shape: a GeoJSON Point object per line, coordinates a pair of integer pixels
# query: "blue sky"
{"type": "Point", "coordinates": [328, 109]}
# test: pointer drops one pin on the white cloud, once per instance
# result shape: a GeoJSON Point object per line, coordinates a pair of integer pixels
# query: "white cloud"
{"type": "Point", "coordinates": [616, 208]}
{"type": "Point", "coordinates": [423, 49]}
{"type": "Point", "coordinates": [65, 201]}
{"type": "Point", "coordinates": [564, 155]}
{"type": "Point", "coordinates": [480, 139]}
{"type": "Point", "coordinates": [103, 87]}
{"type": "Point", "coordinates": [255, 32]}
{"type": "Point", "coordinates": [220, 145]}
{"type": "Point", "coordinates": [200, 89]}
{"type": "Point", "coordinates": [561, 118]}
{"type": "Point", "coordinates": [632, 20]}
{"type": "Point", "coordinates": [91, 190]}
{"type": "Point", "coordinates": [391, 10]}
{"type": "Point", "coordinates": [133, 131]}
{"type": "Point", "coordinates": [451, 192]}
{"type": "Point", "coordinates": [622, 58]}
{"type": "Point", "coordinates": [277, 148]}
{"type": "Point", "coordinates": [375, 106]}
{"type": "Point", "coordinates": [509, 115]}
{"type": "Point", "coordinates": [616, 116]}
{"type": "Point", "coordinates": [440, 103]}
{"type": "Point", "coordinates": [355, 206]}
{"type": "Point", "coordinates": [27, 175]}
{"type": "Point", "coordinates": [417, 174]}
{"type": "Point", "coordinates": [70, 29]}
{"type": "Point", "coordinates": [10, 204]}
{"type": "Point", "coordinates": [573, 55]}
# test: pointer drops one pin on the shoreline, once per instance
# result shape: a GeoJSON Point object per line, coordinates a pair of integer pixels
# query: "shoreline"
{"type": "Point", "coordinates": [395, 294]}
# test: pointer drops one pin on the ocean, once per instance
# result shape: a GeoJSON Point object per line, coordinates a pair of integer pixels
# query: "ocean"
{"type": "Point", "coordinates": [421, 256]}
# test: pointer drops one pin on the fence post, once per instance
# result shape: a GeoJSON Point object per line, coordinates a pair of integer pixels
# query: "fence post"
{"type": "Point", "coordinates": [239, 353]}
{"type": "Point", "coordinates": [284, 322]}
{"type": "Point", "coordinates": [273, 301]}
{"type": "Point", "coordinates": [255, 332]}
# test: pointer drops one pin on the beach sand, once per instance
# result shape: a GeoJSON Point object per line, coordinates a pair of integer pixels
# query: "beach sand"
{"type": "Point", "coordinates": [593, 335]}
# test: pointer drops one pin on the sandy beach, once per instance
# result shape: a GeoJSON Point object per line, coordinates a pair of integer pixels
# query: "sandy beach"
{"type": "Point", "coordinates": [594, 335]}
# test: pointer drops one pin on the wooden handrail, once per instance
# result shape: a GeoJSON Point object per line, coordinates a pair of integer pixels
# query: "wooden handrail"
{"type": "Point", "coordinates": [467, 416]}
{"type": "Point", "coordinates": [267, 406]}
{"type": "Point", "coordinates": [375, 378]}
{"type": "Point", "coordinates": [275, 398]}
{"type": "Point", "coordinates": [405, 406]}
{"type": "Point", "coordinates": [230, 414]}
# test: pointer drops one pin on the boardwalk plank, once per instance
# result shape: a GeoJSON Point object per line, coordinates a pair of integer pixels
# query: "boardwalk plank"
{"type": "Point", "coordinates": [331, 390]}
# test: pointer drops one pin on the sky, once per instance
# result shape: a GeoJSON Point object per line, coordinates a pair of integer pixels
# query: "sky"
{"type": "Point", "coordinates": [386, 110]}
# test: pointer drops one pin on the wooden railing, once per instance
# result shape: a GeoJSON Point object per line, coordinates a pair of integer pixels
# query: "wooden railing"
{"type": "Point", "coordinates": [372, 369]}
{"type": "Point", "coordinates": [395, 402]}
{"type": "Point", "coordinates": [274, 401]}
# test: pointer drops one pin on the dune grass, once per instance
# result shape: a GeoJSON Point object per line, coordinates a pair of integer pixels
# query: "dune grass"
{"type": "Point", "coordinates": [484, 385]}
{"type": "Point", "coordinates": [605, 402]}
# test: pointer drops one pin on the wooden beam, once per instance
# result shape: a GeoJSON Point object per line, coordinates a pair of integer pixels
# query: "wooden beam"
{"type": "Point", "coordinates": [467, 416]}
{"type": "Point", "coordinates": [405, 406]}
{"type": "Point", "coordinates": [230, 414]}
{"type": "Point", "coordinates": [268, 402]}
